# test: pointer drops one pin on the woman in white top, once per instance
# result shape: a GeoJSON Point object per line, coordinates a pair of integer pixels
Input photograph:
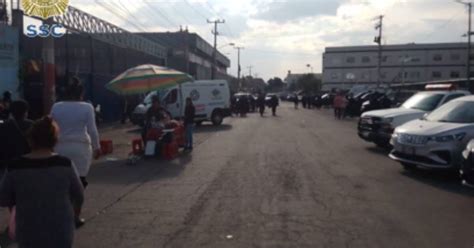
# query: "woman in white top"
{"type": "Point", "coordinates": [78, 135]}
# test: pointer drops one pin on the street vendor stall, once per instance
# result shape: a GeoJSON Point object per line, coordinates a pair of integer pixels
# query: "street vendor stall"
{"type": "Point", "coordinates": [161, 136]}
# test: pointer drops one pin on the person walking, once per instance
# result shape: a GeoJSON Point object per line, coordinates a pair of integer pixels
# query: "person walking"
{"type": "Point", "coordinates": [338, 105]}
{"type": "Point", "coordinates": [14, 133]}
{"type": "Point", "coordinates": [189, 114]}
{"type": "Point", "coordinates": [43, 189]}
{"type": "Point", "coordinates": [78, 135]}
{"type": "Point", "coordinates": [296, 100]}
{"type": "Point", "coordinates": [274, 104]}
{"type": "Point", "coordinates": [261, 104]}
{"type": "Point", "coordinates": [5, 105]}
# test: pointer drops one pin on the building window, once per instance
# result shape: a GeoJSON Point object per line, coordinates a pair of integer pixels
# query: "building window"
{"type": "Point", "coordinates": [350, 60]}
{"type": "Point", "coordinates": [454, 74]}
{"type": "Point", "coordinates": [365, 76]}
{"type": "Point", "coordinates": [415, 60]}
{"type": "Point", "coordinates": [366, 59]}
{"type": "Point", "coordinates": [437, 74]}
{"type": "Point", "coordinates": [437, 57]}
{"type": "Point", "coordinates": [385, 58]}
{"type": "Point", "coordinates": [455, 57]}
{"type": "Point", "coordinates": [383, 75]}
{"type": "Point", "coordinates": [334, 75]}
{"type": "Point", "coordinates": [415, 74]}
{"type": "Point", "coordinates": [336, 61]}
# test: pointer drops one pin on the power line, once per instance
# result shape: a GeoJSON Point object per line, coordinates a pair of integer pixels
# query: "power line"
{"type": "Point", "coordinates": [226, 26]}
{"type": "Point", "coordinates": [214, 54]}
{"type": "Point", "coordinates": [112, 10]}
{"type": "Point", "coordinates": [195, 10]}
{"type": "Point", "coordinates": [158, 11]}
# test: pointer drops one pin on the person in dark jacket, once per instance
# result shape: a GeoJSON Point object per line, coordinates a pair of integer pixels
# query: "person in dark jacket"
{"type": "Point", "coordinates": [274, 104]}
{"type": "Point", "coordinates": [189, 114]}
{"type": "Point", "coordinates": [5, 105]}
{"type": "Point", "coordinates": [261, 104]}
{"type": "Point", "coordinates": [44, 190]}
{"type": "Point", "coordinates": [296, 100]}
{"type": "Point", "coordinates": [14, 133]}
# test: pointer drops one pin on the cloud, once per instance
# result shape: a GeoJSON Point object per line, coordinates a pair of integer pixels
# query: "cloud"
{"type": "Point", "coordinates": [285, 11]}
{"type": "Point", "coordinates": [286, 35]}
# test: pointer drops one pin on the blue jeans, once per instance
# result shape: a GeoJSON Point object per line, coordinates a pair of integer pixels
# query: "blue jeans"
{"type": "Point", "coordinates": [189, 136]}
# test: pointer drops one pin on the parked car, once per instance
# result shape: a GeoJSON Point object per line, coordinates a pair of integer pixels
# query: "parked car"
{"type": "Point", "coordinates": [268, 99]}
{"type": "Point", "coordinates": [377, 126]}
{"type": "Point", "coordinates": [437, 140]}
{"type": "Point", "coordinates": [467, 167]}
{"type": "Point", "coordinates": [376, 100]}
{"type": "Point", "coordinates": [211, 99]}
{"type": "Point", "coordinates": [327, 99]}
{"type": "Point", "coordinates": [243, 102]}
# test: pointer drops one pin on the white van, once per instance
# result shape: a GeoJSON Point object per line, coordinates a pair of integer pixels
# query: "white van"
{"type": "Point", "coordinates": [211, 99]}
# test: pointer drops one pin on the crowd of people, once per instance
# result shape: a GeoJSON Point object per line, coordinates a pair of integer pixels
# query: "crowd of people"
{"type": "Point", "coordinates": [245, 103]}
{"type": "Point", "coordinates": [44, 164]}
{"type": "Point", "coordinates": [339, 102]}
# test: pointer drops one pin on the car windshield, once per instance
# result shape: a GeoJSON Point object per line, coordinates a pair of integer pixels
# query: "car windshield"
{"type": "Point", "coordinates": [454, 112]}
{"type": "Point", "coordinates": [423, 101]}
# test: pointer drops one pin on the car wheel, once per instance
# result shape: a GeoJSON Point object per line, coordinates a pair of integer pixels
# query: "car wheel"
{"type": "Point", "coordinates": [408, 166]}
{"type": "Point", "coordinates": [217, 118]}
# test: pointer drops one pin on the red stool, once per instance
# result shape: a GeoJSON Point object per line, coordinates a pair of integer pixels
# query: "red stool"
{"type": "Point", "coordinates": [179, 135]}
{"type": "Point", "coordinates": [170, 151]}
{"type": "Point", "coordinates": [137, 146]}
{"type": "Point", "coordinates": [106, 147]}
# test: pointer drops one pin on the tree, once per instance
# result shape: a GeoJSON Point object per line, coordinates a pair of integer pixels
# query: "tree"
{"type": "Point", "coordinates": [275, 85]}
{"type": "Point", "coordinates": [309, 84]}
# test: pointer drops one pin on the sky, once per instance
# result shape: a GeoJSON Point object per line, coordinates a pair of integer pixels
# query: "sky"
{"type": "Point", "coordinates": [283, 35]}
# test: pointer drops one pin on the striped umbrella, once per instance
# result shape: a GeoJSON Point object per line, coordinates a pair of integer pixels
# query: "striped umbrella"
{"type": "Point", "coordinates": [146, 78]}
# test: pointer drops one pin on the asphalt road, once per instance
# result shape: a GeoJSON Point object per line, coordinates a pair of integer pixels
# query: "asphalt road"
{"type": "Point", "coordinates": [301, 179]}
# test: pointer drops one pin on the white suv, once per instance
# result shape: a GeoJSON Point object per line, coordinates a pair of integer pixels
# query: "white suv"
{"type": "Point", "coordinates": [437, 140]}
{"type": "Point", "coordinates": [377, 126]}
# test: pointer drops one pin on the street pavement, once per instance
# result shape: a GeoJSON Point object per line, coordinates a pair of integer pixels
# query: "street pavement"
{"type": "Point", "coordinates": [301, 179]}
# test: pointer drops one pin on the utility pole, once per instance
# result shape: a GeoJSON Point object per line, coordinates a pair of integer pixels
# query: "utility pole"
{"type": "Point", "coordinates": [469, 34]}
{"type": "Point", "coordinates": [214, 54]}
{"type": "Point", "coordinates": [469, 45]}
{"type": "Point", "coordinates": [378, 40]}
{"type": "Point", "coordinates": [250, 70]}
{"type": "Point", "coordinates": [239, 68]}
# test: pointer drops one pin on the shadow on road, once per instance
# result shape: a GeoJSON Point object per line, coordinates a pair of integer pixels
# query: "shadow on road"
{"type": "Point", "coordinates": [443, 180]}
{"type": "Point", "coordinates": [212, 128]}
{"type": "Point", "coordinates": [119, 172]}
{"type": "Point", "coordinates": [378, 150]}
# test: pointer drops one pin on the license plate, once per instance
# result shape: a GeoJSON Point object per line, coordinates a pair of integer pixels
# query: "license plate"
{"type": "Point", "coordinates": [408, 149]}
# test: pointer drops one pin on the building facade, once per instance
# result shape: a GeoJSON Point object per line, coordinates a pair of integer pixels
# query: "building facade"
{"type": "Point", "coordinates": [188, 52]}
{"type": "Point", "coordinates": [344, 67]}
